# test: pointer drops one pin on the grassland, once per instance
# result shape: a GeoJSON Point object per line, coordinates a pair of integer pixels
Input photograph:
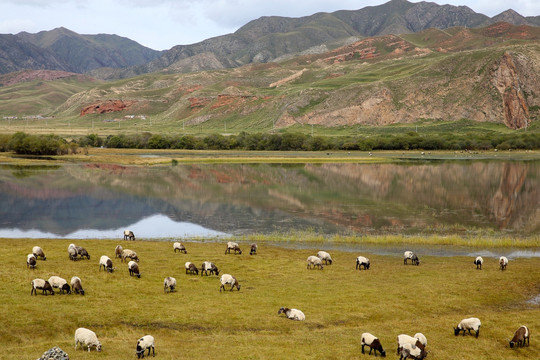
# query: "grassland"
{"type": "Point", "coordinates": [197, 321]}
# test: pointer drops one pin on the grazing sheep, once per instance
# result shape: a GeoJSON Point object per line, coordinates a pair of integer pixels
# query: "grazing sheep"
{"type": "Point", "coordinates": [82, 252]}
{"type": "Point", "coordinates": [421, 337]}
{"type": "Point", "coordinates": [38, 253]}
{"type": "Point", "coordinates": [180, 247]}
{"type": "Point", "coordinates": [31, 261]}
{"type": "Point", "coordinates": [72, 252]}
{"type": "Point", "coordinates": [412, 256]}
{"type": "Point", "coordinates": [146, 342]}
{"type": "Point", "coordinates": [129, 254]}
{"type": "Point", "coordinates": [59, 283]}
{"type": "Point", "coordinates": [228, 279]}
{"type": "Point", "coordinates": [107, 264]}
{"type": "Point", "coordinates": [478, 262]}
{"type": "Point", "coordinates": [40, 284]}
{"type": "Point", "coordinates": [362, 261]}
{"type": "Point", "coordinates": [128, 235]}
{"type": "Point", "coordinates": [324, 256]}
{"type": "Point", "coordinates": [292, 314]}
{"type": "Point", "coordinates": [191, 268]}
{"type": "Point", "coordinates": [468, 325]}
{"type": "Point", "coordinates": [133, 268]}
{"type": "Point", "coordinates": [403, 339]}
{"type": "Point", "coordinates": [86, 338]}
{"type": "Point", "coordinates": [315, 261]}
{"type": "Point", "coordinates": [410, 351]}
{"type": "Point", "coordinates": [233, 246]}
{"type": "Point", "coordinates": [373, 343]}
{"type": "Point", "coordinates": [253, 249]}
{"type": "Point", "coordinates": [503, 261]}
{"type": "Point", "coordinates": [208, 266]}
{"type": "Point", "coordinates": [521, 336]}
{"type": "Point", "coordinates": [169, 284]}
{"type": "Point", "coordinates": [118, 251]}
{"type": "Point", "coordinates": [76, 285]}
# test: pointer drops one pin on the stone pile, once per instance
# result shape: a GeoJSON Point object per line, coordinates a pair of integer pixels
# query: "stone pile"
{"type": "Point", "coordinates": [54, 354]}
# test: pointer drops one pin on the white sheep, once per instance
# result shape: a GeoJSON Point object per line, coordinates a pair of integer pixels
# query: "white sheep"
{"type": "Point", "coordinates": [31, 261]}
{"type": "Point", "coordinates": [233, 246]}
{"type": "Point", "coordinates": [191, 268]}
{"type": "Point", "coordinates": [169, 284]}
{"type": "Point", "coordinates": [72, 252]}
{"type": "Point", "coordinates": [478, 262]}
{"type": "Point", "coordinates": [59, 283]}
{"type": "Point", "coordinates": [422, 338]}
{"type": "Point", "coordinates": [38, 252]}
{"type": "Point", "coordinates": [118, 251]}
{"type": "Point", "coordinates": [208, 266]}
{"type": "Point", "coordinates": [373, 343]}
{"type": "Point", "coordinates": [86, 338]}
{"type": "Point", "coordinates": [362, 261]}
{"type": "Point", "coordinates": [324, 256]}
{"type": "Point", "coordinates": [146, 342]}
{"type": "Point", "coordinates": [468, 325]}
{"type": "Point", "coordinates": [106, 262]}
{"type": "Point", "coordinates": [403, 339]}
{"type": "Point", "coordinates": [413, 352]}
{"type": "Point", "coordinates": [315, 261]}
{"type": "Point", "coordinates": [293, 314]}
{"type": "Point", "coordinates": [133, 269]}
{"type": "Point", "coordinates": [128, 235]}
{"type": "Point", "coordinates": [409, 255]}
{"type": "Point", "coordinates": [43, 285]}
{"type": "Point", "coordinates": [76, 285]}
{"type": "Point", "coordinates": [180, 247]}
{"type": "Point", "coordinates": [503, 261]}
{"type": "Point", "coordinates": [129, 254]}
{"type": "Point", "coordinates": [230, 280]}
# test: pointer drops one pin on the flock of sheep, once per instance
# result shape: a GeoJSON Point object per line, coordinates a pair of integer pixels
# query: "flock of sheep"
{"type": "Point", "coordinates": [413, 347]}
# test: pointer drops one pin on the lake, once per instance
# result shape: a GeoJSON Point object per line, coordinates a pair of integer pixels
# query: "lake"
{"type": "Point", "coordinates": [101, 200]}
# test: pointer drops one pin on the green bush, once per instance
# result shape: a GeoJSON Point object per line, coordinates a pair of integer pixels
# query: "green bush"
{"type": "Point", "coordinates": [25, 144]}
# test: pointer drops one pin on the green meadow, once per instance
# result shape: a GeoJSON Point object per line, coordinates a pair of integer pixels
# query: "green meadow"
{"type": "Point", "coordinates": [197, 321]}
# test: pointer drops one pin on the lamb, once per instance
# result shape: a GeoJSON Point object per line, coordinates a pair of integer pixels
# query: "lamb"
{"type": "Point", "coordinates": [292, 314]}
{"type": "Point", "coordinates": [133, 268]}
{"type": "Point", "coordinates": [118, 251]}
{"type": "Point", "coordinates": [180, 247]}
{"type": "Point", "coordinates": [76, 285]}
{"type": "Point", "coordinates": [169, 284]}
{"type": "Point", "coordinates": [59, 283]}
{"type": "Point", "coordinates": [191, 268]}
{"type": "Point", "coordinates": [315, 261]}
{"type": "Point", "coordinates": [413, 352]}
{"type": "Point", "coordinates": [40, 284]}
{"type": "Point", "coordinates": [72, 252]}
{"type": "Point", "coordinates": [421, 337]}
{"type": "Point", "coordinates": [146, 342]}
{"type": "Point", "coordinates": [127, 253]}
{"type": "Point", "coordinates": [82, 252]}
{"type": "Point", "coordinates": [503, 261]}
{"type": "Point", "coordinates": [478, 262]}
{"type": "Point", "coordinates": [373, 343]}
{"type": "Point", "coordinates": [38, 253]}
{"type": "Point", "coordinates": [412, 256]}
{"type": "Point", "coordinates": [86, 338]}
{"type": "Point", "coordinates": [233, 246]}
{"type": "Point", "coordinates": [521, 335]}
{"type": "Point", "coordinates": [362, 261]}
{"type": "Point", "coordinates": [208, 266]}
{"type": "Point", "coordinates": [107, 264]}
{"type": "Point", "coordinates": [324, 256]}
{"type": "Point", "coordinates": [253, 250]}
{"type": "Point", "coordinates": [228, 279]}
{"type": "Point", "coordinates": [468, 325]}
{"type": "Point", "coordinates": [403, 339]}
{"type": "Point", "coordinates": [128, 235]}
{"type": "Point", "coordinates": [31, 261]}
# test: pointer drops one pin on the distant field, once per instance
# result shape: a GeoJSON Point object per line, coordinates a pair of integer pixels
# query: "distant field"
{"type": "Point", "coordinates": [199, 322]}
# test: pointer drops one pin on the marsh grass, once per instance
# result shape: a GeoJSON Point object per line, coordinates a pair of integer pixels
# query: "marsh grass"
{"type": "Point", "coordinates": [197, 321]}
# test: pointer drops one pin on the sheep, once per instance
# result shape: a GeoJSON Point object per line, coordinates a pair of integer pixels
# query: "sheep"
{"type": "Point", "coordinates": [127, 253]}
{"type": "Point", "coordinates": [421, 337]}
{"type": "Point", "coordinates": [31, 261]}
{"type": "Point", "coordinates": [76, 285]}
{"type": "Point", "coordinates": [362, 261]}
{"type": "Point", "coordinates": [146, 342]}
{"type": "Point", "coordinates": [228, 279]}
{"type": "Point", "coordinates": [128, 235]}
{"type": "Point", "coordinates": [315, 261]}
{"type": "Point", "coordinates": [72, 252]}
{"type": "Point", "coordinates": [86, 338]}
{"type": "Point", "coordinates": [107, 264]}
{"type": "Point", "coordinates": [412, 256]}
{"type": "Point", "coordinates": [118, 251]}
{"type": "Point", "coordinates": [233, 246]}
{"type": "Point", "coordinates": [403, 339]}
{"type": "Point", "coordinates": [38, 253]}
{"type": "Point", "coordinates": [413, 352]}
{"type": "Point", "coordinates": [253, 249]}
{"type": "Point", "coordinates": [373, 343]}
{"type": "Point", "coordinates": [40, 284]}
{"type": "Point", "coordinates": [191, 268]}
{"type": "Point", "coordinates": [324, 256]}
{"type": "Point", "coordinates": [59, 283]}
{"type": "Point", "coordinates": [82, 252]}
{"type": "Point", "coordinates": [180, 247]}
{"type": "Point", "coordinates": [478, 262]}
{"type": "Point", "coordinates": [503, 261]}
{"type": "Point", "coordinates": [208, 266]}
{"type": "Point", "coordinates": [133, 268]}
{"type": "Point", "coordinates": [169, 284]}
{"type": "Point", "coordinates": [292, 314]}
{"type": "Point", "coordinates": [468, 325]}
{"type": "Point", "coordinates": [521, 335]}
